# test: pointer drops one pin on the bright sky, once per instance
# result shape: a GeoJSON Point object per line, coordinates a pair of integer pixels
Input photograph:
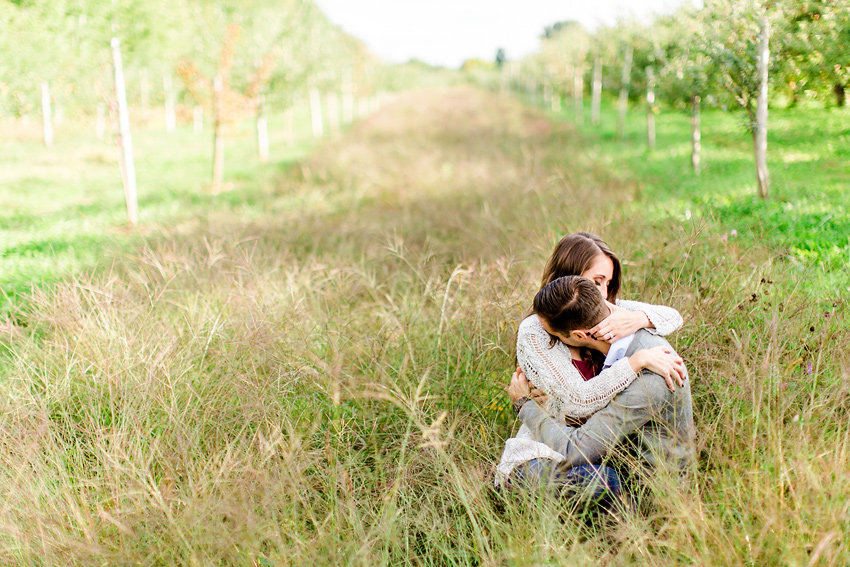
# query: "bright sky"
{"type": "Point", "coordinates": [447, 32]}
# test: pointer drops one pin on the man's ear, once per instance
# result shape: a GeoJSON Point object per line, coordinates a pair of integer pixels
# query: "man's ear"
{"type": "Point", "coordinates": [580, 335]}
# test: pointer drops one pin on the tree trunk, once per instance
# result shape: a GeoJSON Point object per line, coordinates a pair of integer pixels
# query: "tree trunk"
{"type": "Point", "coordinates": [332, 100]}
{"type": "Point", "coordinates": [532, 91]}
{"type": "Point", "coordinates": [695, 133]}
{"type": "Point", "coordinates": [46, 115]}
{"type": "Point", "coordinates": [58, 114]}
{"type": "Point", "coordinates": [262, 130]}
{"type": "Point", "coordinates": [840, 95]}
{"type": "Point", "coordinates": [125, 140]}
{"type": "Point", "coordinates": [170, 116]}
{"type": "Point", "coordinates": [760, 133]}
{"type": "Point", "coordinates": [578, 94]}
{"type": "Point", "coordinates": [650, 108]}
{"type": "Point", "coordinates": [316, 113]}
{"type": "Point", "coordinates": [624, 92]}
{"type": "Point", "coordinates": [198, 119]}
{"type": "Point", "coordinates": [100, 124]}
{"type": "Point", "coordinates": [596, 97]}
{"type": "Point", "coordinates": [547, 95]}
{"type": "Point", "coordinates": [218, 135]}
{"type": "Point", "coordinates": [347, 98]}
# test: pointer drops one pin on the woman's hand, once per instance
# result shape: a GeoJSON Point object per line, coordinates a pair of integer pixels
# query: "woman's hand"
{"type": "Point", "coordinates": [519, 386]}
{"type": "Point", "coordinates": [662, 361]}
{"type": "Point", "coordinates": [535, 394]}
{"type": "Point", "coordinates": [620, 323]}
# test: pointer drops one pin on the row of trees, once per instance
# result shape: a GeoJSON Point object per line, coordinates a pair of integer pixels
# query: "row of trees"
{"type": "Point", "coordinates": [233, 59]}
{"type": "Point", "coordinates": [279, 48]}
{"type": "Point", "coordinates": [727, 53]}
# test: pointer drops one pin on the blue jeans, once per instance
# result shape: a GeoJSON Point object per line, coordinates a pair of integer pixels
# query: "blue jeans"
{"type": "Point", "coordinates": [595, 483]}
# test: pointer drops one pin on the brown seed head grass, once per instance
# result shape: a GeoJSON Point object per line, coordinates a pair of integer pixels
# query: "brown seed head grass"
{"type": "Point", "coordinates": [318, 380]}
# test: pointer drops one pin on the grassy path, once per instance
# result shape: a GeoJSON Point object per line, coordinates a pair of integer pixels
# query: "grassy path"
{"type": "Point", "coordinates": [312, 373]}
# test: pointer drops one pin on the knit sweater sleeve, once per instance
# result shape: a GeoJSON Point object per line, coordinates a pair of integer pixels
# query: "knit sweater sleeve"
{"type": "Point", "coordinates": [666, 319]}
{"type": "Point", "coordinates": [551, 370]}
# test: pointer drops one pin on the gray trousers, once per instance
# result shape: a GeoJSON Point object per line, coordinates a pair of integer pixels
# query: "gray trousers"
{"type": "Point", "coordinates": [646, 419]}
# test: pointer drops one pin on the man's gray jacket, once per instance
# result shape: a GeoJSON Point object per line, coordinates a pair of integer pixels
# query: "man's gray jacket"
{"type": "Point", "coordinates": [647, 417]}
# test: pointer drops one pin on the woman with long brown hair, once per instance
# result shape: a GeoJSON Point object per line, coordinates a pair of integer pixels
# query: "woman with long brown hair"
{"type": "Point", "coordinates": [563, 373]}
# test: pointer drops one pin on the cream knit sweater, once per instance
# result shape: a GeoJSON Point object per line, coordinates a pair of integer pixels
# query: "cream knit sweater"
{"type": "Point", "coordinates": [569, 395]}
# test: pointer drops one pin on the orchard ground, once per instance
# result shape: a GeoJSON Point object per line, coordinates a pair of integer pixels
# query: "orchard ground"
{"type": "Point", "coordinates": [309, 367]}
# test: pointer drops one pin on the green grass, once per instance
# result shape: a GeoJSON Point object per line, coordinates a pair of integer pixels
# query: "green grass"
{"type": "Point", "coordinates": [309, 369]}
{"type": "Point", "coordinates": [807, 217]}
{"type": "Point", "coordinates": [62, 209]}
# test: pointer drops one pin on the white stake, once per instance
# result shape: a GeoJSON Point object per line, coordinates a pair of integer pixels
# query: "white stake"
{"type": "Point", "coordinates": [624, 92]}
{"type": "Point", "coordinates": [578, 94]}
{"type": "Point", "coordinates": [760, 134]}
{"type": "Point", "coordinates": [596, 97]}
{"type": "Point", "coordinates": [316, 113]}
{"type": "Point", "coordinates": [695, 133]}
{"type": "Point", "coordinates": [46, 114]}
{"type": "Point", "coordinates": [650, 108]}
{"type": "Point", "coordinates": [125, 139]}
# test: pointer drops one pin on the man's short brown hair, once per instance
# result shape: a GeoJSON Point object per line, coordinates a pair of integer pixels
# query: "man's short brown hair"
{"type": "Point", "coordinates": [570, 303]}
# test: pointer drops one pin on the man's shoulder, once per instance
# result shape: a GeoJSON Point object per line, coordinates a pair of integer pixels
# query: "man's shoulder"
{"type": "Point", "coordinates": [643, 339]}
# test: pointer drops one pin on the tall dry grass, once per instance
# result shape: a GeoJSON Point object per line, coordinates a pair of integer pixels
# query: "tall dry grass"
{"type": "Point", "coordinates": [316, 377]}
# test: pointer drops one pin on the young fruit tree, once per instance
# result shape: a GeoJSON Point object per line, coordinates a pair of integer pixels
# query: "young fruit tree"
{"type": "Point", "coordinates": [817, 50]}
{"type": "Point", "coordinates": [229, 103]}
{"type": "Point", "coordinates": [683, 77]}
{"type": "Point", "coordinates": [734, 35]}
{"type": "Point", "coordinates": [563, 52]}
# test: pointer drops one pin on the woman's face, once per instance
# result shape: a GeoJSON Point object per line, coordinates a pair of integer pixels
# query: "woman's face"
{"type": "Point", "coordinates": [600, 272]}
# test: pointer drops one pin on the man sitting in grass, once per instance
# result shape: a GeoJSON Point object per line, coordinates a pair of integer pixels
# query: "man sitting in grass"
{"type": "Point", "coordinates": [648, 419]}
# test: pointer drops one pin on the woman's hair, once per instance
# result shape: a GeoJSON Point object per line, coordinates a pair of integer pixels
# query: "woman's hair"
{"type": "Point", "coordinates": [570, 303]}
{"type": "Point", "coordinates": [574, 255]}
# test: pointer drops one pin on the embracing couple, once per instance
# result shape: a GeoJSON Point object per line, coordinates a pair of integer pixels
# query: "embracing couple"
{"type": "Point", "coordinates": [601, 395]}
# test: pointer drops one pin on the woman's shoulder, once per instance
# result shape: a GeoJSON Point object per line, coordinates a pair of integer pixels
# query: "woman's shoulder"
{"type": "Point", "coordinates": [530, 325]}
